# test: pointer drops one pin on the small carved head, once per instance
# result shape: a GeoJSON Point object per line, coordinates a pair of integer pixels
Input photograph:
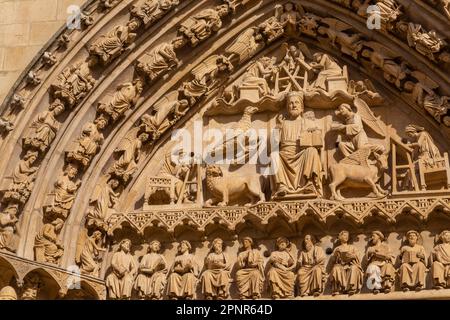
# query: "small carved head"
{"type": "Point", "coordinates": [12, 209]}
{"type": "Point", "coordinates": [222, 10]}
{"type": "Point", "coordinates": [97, 235]}
{"type": "Point", "coordinates": [144, 136]}
{"type": "Point", "coordinates": [184, 246]}
{"type": "Point", "coordinates": [412, 236]}
{"type": "Point", "coordinates": [133, 24]}
{"type": "Point", "coordinates": [57, 107]}
{"type": "Point", "coordinates": [58, 224]}
{"type": "Point", "coordinates": [71, 170]}
{"type": "Point", "coordinates": [344, 110]}
{"type": "Point", "coordinates": [101, 122]}
{"type": "Point", "coordinates": [376, 237]}
{"type": "Point", "coordinates": [154, 246]}
{"type": "Point", "coordinates": [125, 245]}
{"type": "Point", "coordinates": [113, 183]}
{"type": "Point", "coordinates": [344, 236]}
{"type": "Point", "coordinates": [214, 171]}
{"type": "Point", "coordinates": [247, 243]}
{"type": "Point", "coordinates": [217, 245]}
{"type": "Point", "coordinates": [31, 156]}
{"type": "Point", "coordinates": [318, 56]}
{"type": "Point", "coordinates": [282, 243]}
{"type": "Point", "coordinates": [288, 6]}
{"type": "Point", "coordinates": [444, 236]}
{"type": "Point", "coordinates": [178, 42]}
{"type": "Point", "coordinates": [295, 103]}
{"type": "Point", "coordinates": [413, 130]}
{"type": "Point", "coordinates": [308, 241]}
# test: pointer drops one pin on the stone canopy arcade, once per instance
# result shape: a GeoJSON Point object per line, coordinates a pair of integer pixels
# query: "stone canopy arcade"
{"type": "Point", "coordinates": [359, 203]}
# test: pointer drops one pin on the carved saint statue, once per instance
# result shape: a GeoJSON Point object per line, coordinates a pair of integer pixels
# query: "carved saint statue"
{"type": "Point", "coordinates": [88, 253]}
{"type": "Point", "coordinates": [290, 18]}
{"type": "Point", "coordinates": [216, 277]}
{"type": "Point", "coordinates": [258, 74]}
{"type": "Point", "coordinates": [43, 129]}
{"type": "Point", "coordinates": [74, 83]}
{"type": "Point", "coordinates": [280, 275]}
{"type": "Point", "coordinates": [47, 246]}
{"type": "Point", "coordinates": [311, 274]}
{"type": "Point", "coordinates": [23, 179]}
{"type": "Point", "coordinates": [124, 98]}
{"type": "Point", "coordinates": [87, 145]}
{"type": "Point", "coordinates": [152, 10]}
{"type": "Point", "coordinates": [440, 261]}
{"type": "Point", "coordinates": [120, 281]}
{"type": "Point", "coordinates": [8, 228]}
{"type": "Point", "coordinates": [380, 270]}
{"type": "Point", "coordinates": [64, 192]}
{"type": "Point", "coordinates": [346, 273]}
{"type": "Point", "coordinates": [130, 152]}
{"type": "Point", "coordinates": [413, 268]}
{"type": "Point", "coordinates": [160, 59]}
{"type": "Point", "coordinates": [151, 281]}
{"type": "Point", "coordinates": [326, 67]}
{"type": "Point", "coordinates": [182, 280]}
{"type": "Point", "coordinates": [299, 169]}
{"type": "Point", "coordinates": [250, 273]}
{"type": "Point", "coordinates": [103, 201]}
{"type": "Point", "coordinates": [201, 26]}
{"type": "Point", "coordinates": [110, 46]}
{"type": "Point", "coordinates": [423, 144]}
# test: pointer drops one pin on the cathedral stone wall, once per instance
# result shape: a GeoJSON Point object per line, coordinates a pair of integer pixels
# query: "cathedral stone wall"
{"type": "Point", "coordinates": [25, 26]}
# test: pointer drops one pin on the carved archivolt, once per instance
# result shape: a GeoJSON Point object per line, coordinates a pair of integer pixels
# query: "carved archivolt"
{"type": "Point", "coordinates": [96, 129]}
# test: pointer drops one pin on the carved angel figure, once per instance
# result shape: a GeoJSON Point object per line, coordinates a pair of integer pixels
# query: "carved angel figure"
{"type": "Point", "coordinates": [87, 145]}
{"type": "Point", "coordinates": [130, 151]}
{"type": "Point", "coordinates": [250, 273]}
{"type": "Point", "coordinates": [8, 227]}
{"type": "Point", "coordinates": [426, 43]}
{"type": "Point", "coordinates": [152, 10]}
{"type": "Point", "coordinates": [383, 58]}
{"type": "Point", "coordinates": [110, 46]}
{"type": "Point", "coordinates": [151, 280]}
{"type": "Point", "coordinates": [183, 275]}
{"type": "Point", "coordinates": [380, 271]}
{"type": "Point", "coordinates": [102, 203]}
{"type": "Point", "coordinates": [216, 279]}
{"type": "Point", "coordinates": [47, 246]}
{"type": "Point", "coordinates": [164, 113]}
{"type": "Point", "coordinates": [44, 128]}
{"type": "Point", "coordinates": [88, 253]}
{"type": "Point", "coordinates": [311, 274]}
{"type": "Point", "coordinates": [280, 275]}
{"type": "Point", "coordinates": [120, 281]}
{"type": "Point", "coordinates": [23, 179]}
{"type": "Point", "coordinates": [206, 76]}
{"type": "Point", "coordinates": [124, 98]}
{"type": "Point", "coordinates": [346, 273]}
{"type": "Point", "coordinates": [201, 26]}
{"type": "Point", "coordinates": [349, 44]}
{"type": "Point", "coordinates": [74, 83]}
{"type": "Point", "coordinates": [440, 261]}
{"type": "Point", "coordinates": [160, 59]}
{"type": "Point", "coordinates": [247, 44]}
{"type": "Point", "coordinates": [413, 268]}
